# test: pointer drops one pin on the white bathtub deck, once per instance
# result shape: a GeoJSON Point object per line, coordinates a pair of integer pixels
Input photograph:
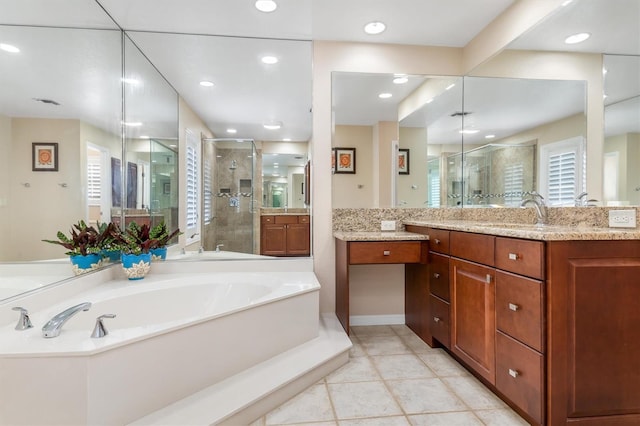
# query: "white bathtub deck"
{"type": "Point", "coordinates": [250, 394]}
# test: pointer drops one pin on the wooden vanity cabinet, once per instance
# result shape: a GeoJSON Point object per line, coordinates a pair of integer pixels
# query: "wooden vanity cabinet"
{"type": "Point", "coordinates": [285, 235]}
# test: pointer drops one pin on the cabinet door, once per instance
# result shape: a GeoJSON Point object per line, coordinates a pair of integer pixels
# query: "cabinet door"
{"type": "Point", "coordinates": [416, 300]}
{"type": "Point", "coordinates": [473, 316]}
{"type": "Point", "coordinates": [273, 241]}
{"type": "Point", "coordinates": [298, 239]}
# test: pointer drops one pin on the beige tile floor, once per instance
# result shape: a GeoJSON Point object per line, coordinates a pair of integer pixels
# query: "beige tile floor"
{"type": "Point", "coordinates": [394, 379]}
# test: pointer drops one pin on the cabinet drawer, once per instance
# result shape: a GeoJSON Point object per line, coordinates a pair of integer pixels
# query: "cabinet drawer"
{"type": "Point", "coordinates": [519, 375]}
{"type": "Point", "coordinates": [267, 219]}
{"type": "Point", "coordinates": [439, 275]}
{"type": "Point", "coordinates": [519, 308]}
{"type": "Point", "coordinates": [472, 247]}
{"type": "Point", "coordinates": [439, 324]}
{"type": "Point", "coordinates": [439, 240]}
{"type": "Point", "coordinates": [284, 219]}
{"type": "Point", "coordinates": [304, 219]}
{"type": "Point", "coordinates": [384, 252]}
{"type": "Point", "coordinates": [523, 257]}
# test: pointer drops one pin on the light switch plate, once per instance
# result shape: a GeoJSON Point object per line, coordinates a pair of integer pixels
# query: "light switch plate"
{"type": "Point", "coordinates": [388, 225]}
{"type": "Point", "coordinates": [622, 218]}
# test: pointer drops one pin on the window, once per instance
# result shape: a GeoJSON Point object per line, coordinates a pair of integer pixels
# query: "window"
{"type": "Point", "coordinates": [94, 177]}
{"type": "Point", "coordinates": [192, 192]}
{"type": "Point", "coordinates": [207, 209]}
{"type": "Point", "coordinates": [433, 183]}
{"type": "Point", "coordinates": [513, 184]}
{"type": "Point", "coordinates": [562, 175]}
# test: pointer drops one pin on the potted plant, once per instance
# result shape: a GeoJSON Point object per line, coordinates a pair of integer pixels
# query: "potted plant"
{"type": "Point", "coordinates": [84, 245]}
{"type": "Point", "coordinates": [135, 244]}
{"type": "Point", "coordinates": [109, 242]}
{"type": "Point", "coordinates": [161, 234]}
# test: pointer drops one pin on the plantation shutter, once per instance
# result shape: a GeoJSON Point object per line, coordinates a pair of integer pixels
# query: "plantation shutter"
{"type": "Point", "coordinates": [192, 190]}
{"type": "Point", "coordinates": [94, 180]}
{"type": "Point", "coordinates": [513, 184]}
{"type": "Point", "coordinates": [207, 198]}
{"type": "Point", "coordinates": [562, 178]}
{"type": "Point", "coordinates": [434, 188]}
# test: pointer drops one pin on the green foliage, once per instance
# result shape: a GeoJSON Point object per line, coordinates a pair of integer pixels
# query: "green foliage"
{"type": "Point", "coordinates": [84, 240]}
{"type": "Point", "coordinates": [162, 235]}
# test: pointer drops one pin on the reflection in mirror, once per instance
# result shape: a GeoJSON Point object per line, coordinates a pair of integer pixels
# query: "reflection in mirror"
{"type": "Point", "coordinates": [621, 179]}
{"type": "Point", "coordinates": [229, 210]}
{"type": "Point", "coordinates": [431, 133]}
{"type": "Point", "coordinates": [148, 193]}
{"type": "Point", "coordinates": [63, 87]}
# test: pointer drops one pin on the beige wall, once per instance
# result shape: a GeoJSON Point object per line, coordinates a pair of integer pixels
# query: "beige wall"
{"type": "Point", "coordinates": [412, 188]}
{"type": "Point", "coordinates": [628, 148]}
{"type": "Point", "coordinates": [346, 187]}
{"type": "Point", "coordinates": [5, 182]}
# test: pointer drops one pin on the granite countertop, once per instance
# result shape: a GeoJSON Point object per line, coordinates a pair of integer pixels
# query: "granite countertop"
{"type": "Point", "coordinates": [531, 231]}
{"type": "Point", "coordinates": [379, 236]}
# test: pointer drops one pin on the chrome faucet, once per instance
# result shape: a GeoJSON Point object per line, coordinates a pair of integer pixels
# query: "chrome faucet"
{"type": "Point", "coordinates": [538, 203]}
{"type": "Point", "coordinates": [218, 247]}
{"type": "Point", "coordinates": [581, 199]}
{"type": "Point", "coordinates": [53, 327]}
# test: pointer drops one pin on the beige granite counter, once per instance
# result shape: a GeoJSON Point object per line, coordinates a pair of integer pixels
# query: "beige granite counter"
{"type": "Point", "coordinates": [533, 232]}
{"type": "Point", "coordinates": [379, 236]}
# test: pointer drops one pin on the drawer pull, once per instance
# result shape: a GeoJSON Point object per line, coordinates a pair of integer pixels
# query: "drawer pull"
{"type": "Point", "coordinates": [513, 256]}
{"type": "Point", "coordinates": [513, 373]}
{"type": "Point", "coordinates": [488, 279]}
{"type": "Point", "coordinates": [387, 252]}
{"type": "Point", "coordinates": [436, 319]}
{"type": "Point", "coordinates": [437, 241]}
{"type": "Point", "coordinates": [436, 275]}
{"type": "Point", "coordinates": [513, 307]}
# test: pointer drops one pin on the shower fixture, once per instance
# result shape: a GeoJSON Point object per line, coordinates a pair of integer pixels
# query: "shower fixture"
{"type": "Point", "coordinates": [234, 165]}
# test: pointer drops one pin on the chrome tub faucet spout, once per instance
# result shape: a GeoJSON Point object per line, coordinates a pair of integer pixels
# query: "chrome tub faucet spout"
{"type": "Point", "coordinates": [53, 327]}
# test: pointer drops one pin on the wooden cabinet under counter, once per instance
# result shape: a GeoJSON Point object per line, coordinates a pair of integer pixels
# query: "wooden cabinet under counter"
{"type": "Point", "coordinates": [285, 235]}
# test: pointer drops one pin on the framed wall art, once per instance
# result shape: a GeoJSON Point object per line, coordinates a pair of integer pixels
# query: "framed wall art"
{"type": "Point", "coordinates": [44, 156]}
{"type": "Point", "coordinates": [403, 161]}
{"type": "Point", "coordinates": [345, 160]}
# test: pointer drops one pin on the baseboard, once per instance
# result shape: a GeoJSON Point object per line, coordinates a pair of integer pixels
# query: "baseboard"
{"type": "Point", "coordinates": [376, 319]}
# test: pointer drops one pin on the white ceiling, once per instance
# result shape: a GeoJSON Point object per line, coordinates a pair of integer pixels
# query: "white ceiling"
{"type": "Point", "coordinates": [247, 93]}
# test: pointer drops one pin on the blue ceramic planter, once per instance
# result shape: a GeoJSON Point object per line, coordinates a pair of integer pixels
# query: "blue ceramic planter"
{"type": "Point", "coordinates": [136, 266]}
{"type": "Point", "coordinates": [83, 264]}
{"type": "Point", "coordinates": [110, 256]}
{"type": "Point", "coordinates": [158, 253]}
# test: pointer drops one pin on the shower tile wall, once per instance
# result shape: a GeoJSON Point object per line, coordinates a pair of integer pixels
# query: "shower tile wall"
{"type": "Point", "coordinates": [232, 224]}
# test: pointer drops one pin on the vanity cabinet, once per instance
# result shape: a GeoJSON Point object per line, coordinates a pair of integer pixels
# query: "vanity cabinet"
{"type": "Point", "coordinates": [550, 326]}
{"type": "Point", "coordinates": [285, 235]}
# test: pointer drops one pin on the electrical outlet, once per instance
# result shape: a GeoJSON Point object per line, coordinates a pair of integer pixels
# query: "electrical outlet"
{"type": "Point", "coordinates": [622, 218]}
{"type": "Point", "coordinates": [388, 225]}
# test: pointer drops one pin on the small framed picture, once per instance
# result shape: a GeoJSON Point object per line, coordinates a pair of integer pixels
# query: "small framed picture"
{"type": "Point", "coordinates": [345, 160]}
{"type": "Point", "coordinates": [44, 157]}
{"type": "Point", "coordinates": [403, 162]}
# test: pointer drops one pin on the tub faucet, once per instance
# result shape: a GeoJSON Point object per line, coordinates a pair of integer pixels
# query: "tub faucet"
{"type": "Point", "coordinates": [538, 203]}
{"type": "Point", "coordinates": [24, 323]}
{"type": "Point", "coordinates": [218, 247]}
{"type": "Point", "coordinates": [53, 327]}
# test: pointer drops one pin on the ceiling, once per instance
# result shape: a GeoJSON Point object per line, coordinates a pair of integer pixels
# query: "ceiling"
{"type": "Point", "coordinates": [221, 41]}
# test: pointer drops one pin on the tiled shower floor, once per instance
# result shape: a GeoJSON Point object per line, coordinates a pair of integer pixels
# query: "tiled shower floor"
{"type": "Point", "coordinates": [393, 378]}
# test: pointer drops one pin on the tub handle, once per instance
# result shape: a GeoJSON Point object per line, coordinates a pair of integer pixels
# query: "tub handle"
{"type": "Point", "coordinates": [99, 330]}
{"type": "Point", "coordinates": [24, 323]}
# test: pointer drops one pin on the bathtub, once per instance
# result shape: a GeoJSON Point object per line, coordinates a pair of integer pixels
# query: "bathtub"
{"type": "Point", "coordinates": [174, 334]}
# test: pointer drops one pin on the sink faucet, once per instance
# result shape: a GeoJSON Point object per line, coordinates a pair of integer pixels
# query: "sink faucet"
{"type": "Point", "coordinates": [53, 327]}
{"type": "Point", "coordinates": [538, 203]}
{"type": "Point", "coordinates": [581, 199]}
{"type": "Point", "coordinates": [218, 247]}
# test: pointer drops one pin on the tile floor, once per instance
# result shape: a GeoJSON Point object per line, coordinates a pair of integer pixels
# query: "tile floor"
{"type": "Point", "coordinates": [393, 378]}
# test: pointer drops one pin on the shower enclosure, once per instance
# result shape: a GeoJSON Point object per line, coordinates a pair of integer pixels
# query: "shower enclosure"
{"type": "Point", "coordinates": [229, 211]}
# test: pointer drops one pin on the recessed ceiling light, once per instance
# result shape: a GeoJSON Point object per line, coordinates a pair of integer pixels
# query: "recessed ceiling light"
{"type": "Point", "coordinates": [269, 60]}
{"type": "Point", "coordinates": [490, 136]}
{"type": "Point", "coordinates": [400, 79]}
{"type": "Point", "coordinates": [275, 166]}
{"type": "Point", "coordinates": [206, 83]}
{"type": "Point", "coordinates": [144, 137]}
{"type": "Point", "coordinates": [173, 146]}
{"type": "Point", "coordinates": [469, 131]}
{"type": "Point", "coordinates": [374, 27]}
{"type": "Point", "coordinates": [577, 38]}
{"type": "Point", "coordinates": [132, 81]}
{"type": "Point", "coordinates": [286, 140]}
{"type": "Point", "coordinates": [232, 131]}
{"type": "Point", "coordinates": [451, 86]}
{"type": "Point", "coordinates": [273, 125]}
{"type": "Point", "coordinates": [266, 5]}
{"type": "Point", "coordinates": [385, 95]}
{"type": "Point", "coordinates": [132, 123]}
{"type": "Point", "coordinates": [9, 48]}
